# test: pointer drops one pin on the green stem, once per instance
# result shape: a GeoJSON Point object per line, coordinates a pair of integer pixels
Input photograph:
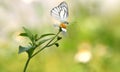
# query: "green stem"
{"type": "Point", "coordinates": [26, 65]}
{"type": "Point", "coordinates": [29, 58]}
{"type": "Point", "coordinates": [52, 43]}
{"type": "Point", "coordinates": [45, 45]}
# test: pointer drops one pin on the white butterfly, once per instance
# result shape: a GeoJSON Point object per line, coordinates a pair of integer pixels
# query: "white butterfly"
{"type": "Point", "coordinates": [61, 13]}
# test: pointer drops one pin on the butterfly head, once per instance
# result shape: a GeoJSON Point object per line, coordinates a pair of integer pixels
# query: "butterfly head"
{"type": "Point", "coordinates": [65, 22]}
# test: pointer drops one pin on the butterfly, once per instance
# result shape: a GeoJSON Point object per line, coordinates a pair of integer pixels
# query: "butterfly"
{"type": "Point", "coordinates": [60, 13]}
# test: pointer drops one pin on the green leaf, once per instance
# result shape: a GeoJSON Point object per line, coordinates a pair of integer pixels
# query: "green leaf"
{"type": "Point", "coordinates": [36, 35]}
{"type": "Point", "coordinates": [22, 49]}
{"type": "Point", "coordinates": [44, 35]}
{"type": "Point", "coordinates": [44, 40]}
{"type": "Point", "coordinates": [23, 34]}
{"type": "Point", "coordinates": [28, 33]}
{"type": "Point", "coordinates": [59, 38]}
{"type": "Point", "coordinates": [51, 44]}
{"type": "Point", "coordinates": [56, 44]}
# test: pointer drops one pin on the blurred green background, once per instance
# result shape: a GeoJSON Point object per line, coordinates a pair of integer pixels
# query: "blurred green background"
{"type": "Point", "coordinates": [92, 42]}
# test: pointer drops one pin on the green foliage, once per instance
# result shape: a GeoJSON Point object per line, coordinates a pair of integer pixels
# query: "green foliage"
{"type": "Point", "coordinates": [44, 35]}
{"type": "Point", "coordinates": [35, 42]}
{"type": "Point", "coordinates": [24, 34]}
{"type": "Point", "coordinates": [44, 40]}
{"type": "Point", "coordinates": [57, 44]}
{"type": "Point", "coordinates": [59, 38]}
{"type": "Point", "coordinates": [23, 49]}
{"type": "Point", "coordinates": [27, 34]}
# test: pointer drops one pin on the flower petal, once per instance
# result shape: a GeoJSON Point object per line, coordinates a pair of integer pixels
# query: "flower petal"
{"type": "Point", "coordinates": [64, 30]}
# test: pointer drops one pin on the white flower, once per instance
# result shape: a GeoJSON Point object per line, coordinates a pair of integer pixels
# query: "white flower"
{"type": "Point", "coordinates": [83, 57]}
{"type": "Point", "coordinates": [84, 54]}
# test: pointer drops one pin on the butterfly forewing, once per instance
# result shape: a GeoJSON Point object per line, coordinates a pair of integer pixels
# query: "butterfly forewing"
{"type": "Point", "coordinates": [60, 12]}
{"type": "Point", "coordinates": [54, 12]}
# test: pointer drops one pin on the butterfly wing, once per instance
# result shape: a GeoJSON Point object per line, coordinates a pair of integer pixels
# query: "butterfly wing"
{"type": "Point", "coordinates": [60, 12]}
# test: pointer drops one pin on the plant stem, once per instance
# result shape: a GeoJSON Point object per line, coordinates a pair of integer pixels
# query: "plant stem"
{"type": "Point", "coordinates": [29, 58]}
{"type": "Point", "coordinates": [26, 65]}
{"type": "Point", "coordinates": [45, 45]}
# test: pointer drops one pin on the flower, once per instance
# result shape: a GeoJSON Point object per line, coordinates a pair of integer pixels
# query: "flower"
{"type": "Point", "coordinates": [83, 57]}
{"type": "Point", "coordinates": [84, 54]}
{"type": "Point", "coordinates": [63, 27]}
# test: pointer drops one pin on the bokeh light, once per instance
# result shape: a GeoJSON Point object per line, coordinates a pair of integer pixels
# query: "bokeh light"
{"type": "Point", "coordinates": [91, 44]}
